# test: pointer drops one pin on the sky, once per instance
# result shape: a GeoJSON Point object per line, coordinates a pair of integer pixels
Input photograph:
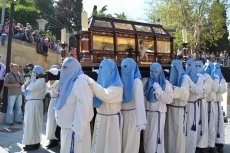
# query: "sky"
{"type": "Point", "coordinates": [134, 9]}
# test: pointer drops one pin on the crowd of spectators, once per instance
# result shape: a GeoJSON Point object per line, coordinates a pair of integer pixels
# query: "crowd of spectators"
{"type": "Point", "coordinates": [26, 33]}
{"type": "Point", "coordinates": [221, 57]}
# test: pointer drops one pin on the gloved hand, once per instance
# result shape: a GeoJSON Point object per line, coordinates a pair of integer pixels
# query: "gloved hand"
{"type": "Point", "coordinates": [54, 71]}
{"type": "Point", "coordinates": [27, 80]}
{"type": "Point", "coordinates": [141, 127]}
{"type": "Point", "coordinates": [156, 86]}
{"type": "Point", "coordinates": [199, 75]}
{"type": "Point", "coordinates": [33, 78]}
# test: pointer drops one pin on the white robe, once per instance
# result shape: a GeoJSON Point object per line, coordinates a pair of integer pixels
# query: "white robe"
{"type": "Point", "coordinates": [75, 116]}
{"type": "Point", "coordinates": [202, 131]}
{"type": "Point", "coordinates": [156, 113]}
{"type": "Point", "coordinates": [196, 91]}
{"type": "Point", "coordinates": [134, 115]}
{"type": "Point", "coordinates": [51, 124]}
{"type": "Point", "coordinates": [211, 97]}
{"type": "Point", "coordinates": [108, 122]}
{"type": "Point", "coordinates": [33, 117]}
{"type": "Point", "coordinates": [175, 125]}
{"type": "Point", "coordinates": [219, 119]}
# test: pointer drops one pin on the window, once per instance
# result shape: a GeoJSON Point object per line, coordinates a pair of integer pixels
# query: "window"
{"type": "Point", "coordinates": [103, 42]}
{"type": "Point", "coordinates": [143, 28]}
{"type": "Point", "coordinates": [123, 43]}
{"type": "Point", "coordinates": [159, 30]}
{"type": "Point", "coordinates": [104, 24]}
{"type": "Point", "coordinates": [163, 46]}
{"type": "Point", "coordinates": [124, 26]}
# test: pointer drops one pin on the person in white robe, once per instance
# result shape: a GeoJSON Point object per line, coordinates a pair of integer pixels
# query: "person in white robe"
{"type": "Point", "coordinates": [158, 92]}
{"type": "Point", "coordinates": [221, 85]}
{"type": "Point", "coordinates": [108, 92]}
{"type": "Point", "coordinates": [51, 125]}
{"type": "Point", "coordinates": [133, 107]}
{"type": "Point", "coordinates": [202, 129]}
{"type": "Point", "coordinates": [196, 91]}
{"type": "Point", "coordinates": [34, 91]}
{"type": "Point", "coordinates": [74, 108]}
{"type": "Point", "coordinates": [211, 97]}
{"type": "Point", "coordinates": [175, 126]}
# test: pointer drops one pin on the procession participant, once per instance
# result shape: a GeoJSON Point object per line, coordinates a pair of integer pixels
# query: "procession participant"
{"type": "Point", "coordinates": [202, 128]}
{"type": "Point", "coordinates": [211, 97]}
{"type": "Point", "coordinates": [196, 90]}
{"type": "Point", "coordinates": [175, 126]}
{"type": "Point", "coordinates": [34, 90]}
{"type": "Point", "coordinates": [158, 92]}
{"type": "Point", "coordinates": [108, 92]}
{"type": "Point", "coordinates": [221, 85]}
{"type": "Point", "coordinates": [73, 108]}
{"type": "Point", "coordinates": [51, 125]}
{"type": "Point", "coordinates": [133, 107]}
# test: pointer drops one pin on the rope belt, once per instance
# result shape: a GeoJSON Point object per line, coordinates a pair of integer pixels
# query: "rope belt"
{"type": "Point", "coordinates": [128, 109]}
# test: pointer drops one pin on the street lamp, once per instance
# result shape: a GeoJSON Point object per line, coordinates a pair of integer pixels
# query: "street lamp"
{"type": "Point", "coordinates": [8, 54]}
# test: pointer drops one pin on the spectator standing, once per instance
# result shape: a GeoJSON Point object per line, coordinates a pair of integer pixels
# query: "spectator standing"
{"type": "Point", "coordinates": [13, 81]}
{"type": "Point", "coordinates": [5, 31]}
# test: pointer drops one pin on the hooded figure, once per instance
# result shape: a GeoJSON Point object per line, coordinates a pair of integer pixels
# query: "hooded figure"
{"type": "Point", "coordinates": [193, 113]}
{"type": "Point", "coordinates": [133, 109]}
{"type": "Point", "coordinates": [175, 128]}
{"type": "Point", "coordinates": [221, 88]}
{"type": "Point", "coordinates": [108, 92]}
{"type": "Point", "coordinates": [35, 90]}
{"type": "Point", "coordinates": [210, 94]}
{"type": "Point", "coordinates": [158, 92]}
{"type": "Point", "coordinates": [202, 128]}
{"type": "Point", "coordinates": [73, 108]}
{"type": "Point", "coordinates": [51, 125]}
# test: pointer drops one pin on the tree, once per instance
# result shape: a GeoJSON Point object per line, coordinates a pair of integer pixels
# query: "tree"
{"type": "Point", "coordinates": [121, 16]}
{"type": "Point", "coordinates": [46, 6]}
{"type": "Point", "coordinates": [68, 12]}
{"type": "Point", "coordinates": [195, 16]}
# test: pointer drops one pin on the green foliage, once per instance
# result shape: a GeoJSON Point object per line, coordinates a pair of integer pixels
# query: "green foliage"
{"type": "Point", "coordinates": [45, 6]}
{"type": "Point", "coordinates": [179, 14]}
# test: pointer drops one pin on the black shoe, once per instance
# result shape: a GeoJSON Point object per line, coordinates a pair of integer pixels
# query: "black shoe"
{"type": "Point", "coordinates": [19, 122]}
{"type": "Point", "coordinates": [10, 124]}
{"type": "Point", "coordinates": [31, 147]}
{"type": "Point", "coordinates": [53, 143]}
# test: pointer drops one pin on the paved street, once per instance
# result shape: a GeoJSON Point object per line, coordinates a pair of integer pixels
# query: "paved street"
{"type": "Point", "coordinates": [11, 140]}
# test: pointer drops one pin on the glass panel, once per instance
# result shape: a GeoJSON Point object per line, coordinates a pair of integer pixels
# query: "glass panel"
{"type": "Point", "coordinates": [159, 30]}
{"type": "Point", "coordinates": [124, 26]}
{"type": "Point", "coordinates": [105, 24]}
{"type": "Point", "coordinates": [143, 28]}
{"type": "Point", "coordinates": [163, 47]}
{"type": "Point", "coordinates": [124, 43]}
{"type": "Point", "coordinates": [103, 43]}
{"type": "Point", "coordinates": [146, 48]}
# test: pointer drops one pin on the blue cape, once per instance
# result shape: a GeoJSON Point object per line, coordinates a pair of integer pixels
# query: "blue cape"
{"type": "Point", "coordinates": [209, 68]}
{"type": "Point", "coordinates": [108, 75]}
{"type": "Point", "coordinates": [70, 71]}
{"type": "Point", "coordinates": [176, 73]}
{"type": "Point", "coordinates": [217, 70]}
{"type": "Point", "coordinates": [156, 75]}
{"type": "Point", "coordinates": [191, 70]}
{"type": "Point", "coordinates": [129, 72]}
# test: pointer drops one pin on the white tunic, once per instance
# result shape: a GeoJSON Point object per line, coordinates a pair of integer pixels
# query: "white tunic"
{"type": "Point", "coordinates": [134, 115]}
{"type": "Point", "coordinates": [75, 116]}
{"type": "Point", "coordinates": [108, 122]}
{"type": "Point", "coordinates": [219, 119]}
{"type": "Point", "coordinates": [211, 97]}
{"type": "Point", "coordinates": [51, 124]}
{"type": "Point", "coordinates": [202, 132]}
{"type": "Point", "coordinates": [175, 126]}
{"type": "Point", "coordinates": [193, 113]}
{"type": "Point", "coordinates": [156, 112]}
{"type": "Point", "coordinates": [33, 117]}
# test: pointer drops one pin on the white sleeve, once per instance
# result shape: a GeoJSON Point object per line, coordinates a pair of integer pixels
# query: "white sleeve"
{"type": "Point", "coordinates": [182, 92]}
{"type": "Point", "coordinates": [198, 87]}
{"type": "Point", "coordinates": [166, 96]}
{"type": "Point", "coordinates": [139, 101]}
